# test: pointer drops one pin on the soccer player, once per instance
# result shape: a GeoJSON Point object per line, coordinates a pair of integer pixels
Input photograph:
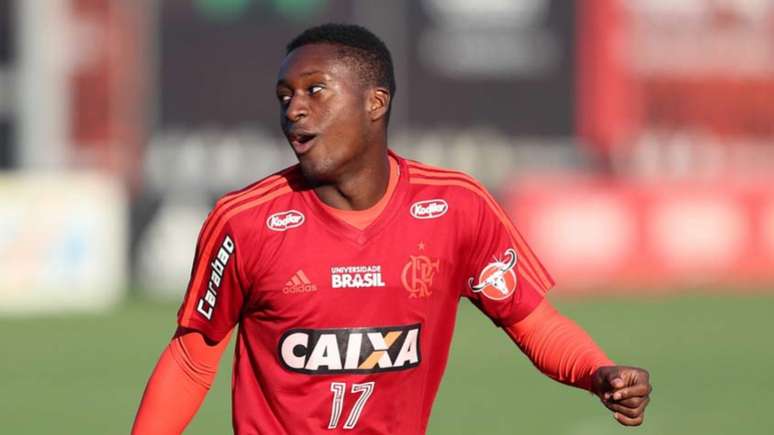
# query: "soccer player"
{"type": "Point", "coordinates": [342, 274]}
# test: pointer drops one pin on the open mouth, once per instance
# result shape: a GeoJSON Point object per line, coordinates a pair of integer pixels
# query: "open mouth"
{"type": "Point", "coordinates": [301, 142]}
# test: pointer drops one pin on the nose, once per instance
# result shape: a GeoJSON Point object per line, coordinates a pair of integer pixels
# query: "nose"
{"type": "Point", "coordinates": [297, 109]}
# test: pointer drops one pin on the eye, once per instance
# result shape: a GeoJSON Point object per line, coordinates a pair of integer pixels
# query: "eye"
{"type": "Point", "coordinates": [314, 89]}
{"type": "Point", "coordinates": [283, 98]}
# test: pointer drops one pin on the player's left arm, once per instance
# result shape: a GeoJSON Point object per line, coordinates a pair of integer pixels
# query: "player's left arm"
{"type": "Point", "coordinates": [562, 350]}
{"type": "Point", "coordinates": [625, 391]}
{"type": "Point", "coordinates": [507, 281]}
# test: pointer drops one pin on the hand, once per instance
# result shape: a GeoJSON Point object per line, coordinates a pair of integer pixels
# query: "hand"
{"type": "Point", "coordinates": [623, 390]}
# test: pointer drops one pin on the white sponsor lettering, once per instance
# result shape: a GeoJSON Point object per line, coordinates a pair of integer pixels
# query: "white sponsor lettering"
{"type": "Point", "coordinates": [228, 245]}
{"type": "Point", "coordinates": [359, 350]}
{"type": "Point", "coordinates": [206, 312]}
{"type": "Point", "coordinates": [408, 352]}
{"type": "Point", "coordinates": [291, 342]}
{"type": "Point", "coordinates": [285, 220]}
{"type": "Point", "coordinates": [325, 354]}
{"type": "Point", "coordinates": [377, 341]}
{"type": "Point", "coordinates": [357, 276]}
{"type": "Point", "coordinates": [353, 351]}
{"type": "Point", "coordinates": [210, 298]}
{"type": "Point", "coordinates": [356, 269]}
{"type": "Point", "coordinates": [429, 209]}
{"type": "Point", "coordinates": [217, 268]}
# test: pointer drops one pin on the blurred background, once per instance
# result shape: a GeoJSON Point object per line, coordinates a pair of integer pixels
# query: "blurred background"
{"type": "Point", "coordinates": [632, 142]}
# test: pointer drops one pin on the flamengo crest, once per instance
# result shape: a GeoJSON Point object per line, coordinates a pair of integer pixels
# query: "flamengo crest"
{"type": "Point", "coordinates": [417, 275]}
{"type": "Point", "coordinates": [285, 220]}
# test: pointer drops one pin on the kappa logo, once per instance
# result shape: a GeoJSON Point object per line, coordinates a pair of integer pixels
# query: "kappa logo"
{"type": "Point", "coordinates": [350, 350]}
{"type": "Point", "coordinates": [497, 280]}
{"type": "Point", "coordinates": [299, 283]}
{"type": "Point", "coordinates": [285, 220]}
{"type": "Point", "coordinates": [429, 209]}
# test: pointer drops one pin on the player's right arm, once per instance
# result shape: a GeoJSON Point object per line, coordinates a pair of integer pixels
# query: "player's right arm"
{"type": "Point", "coordinates": [179, 382]}
{"type": "Point", "coordinates": [209, 312]}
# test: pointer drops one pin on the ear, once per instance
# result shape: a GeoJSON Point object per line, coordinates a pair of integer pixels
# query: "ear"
{"type": "Point", "coordinates": [378, 103]}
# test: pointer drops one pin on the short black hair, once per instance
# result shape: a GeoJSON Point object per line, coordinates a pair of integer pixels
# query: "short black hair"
{"type": "Point", "coordinates": [367, 53]}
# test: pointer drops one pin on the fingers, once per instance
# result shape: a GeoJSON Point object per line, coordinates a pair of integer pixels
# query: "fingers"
{"type": "Point", "coordinates": [616, 382]}
{"type": "Point", "coordinates": [629, 421]}
{"type": "Point", "coordinates": [612, 379]}
{"type": "Point", "coordinates": [631, 397]}
{"type": "Point", "coordinates": [631, 412]}
{"type": "Point", "coordinates": [625, 391]}
{"type": "Point", "coordinates": [629, 408]}
{"type": "Point", "coordinates": [632, 402]}
{"type": "Point", "coordinates": [638, 390]}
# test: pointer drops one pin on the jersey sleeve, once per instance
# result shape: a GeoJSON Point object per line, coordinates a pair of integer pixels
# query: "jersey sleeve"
{"type": "Point", "coordinates": [505, 279]}
{"type": "Point", "coordinates": [215, 295]}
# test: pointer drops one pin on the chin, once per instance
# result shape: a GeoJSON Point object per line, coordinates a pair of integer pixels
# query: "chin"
{"type": "Point", "coordinates": [316, 171]}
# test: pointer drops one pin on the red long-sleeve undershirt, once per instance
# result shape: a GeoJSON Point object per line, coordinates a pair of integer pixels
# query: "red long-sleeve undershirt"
{"type": "Point", "coordinates": [178, 384]}
{"type": "Point", "coordinates": [555, 344]}
{"type": "Point", "coordinates": [558, 347]}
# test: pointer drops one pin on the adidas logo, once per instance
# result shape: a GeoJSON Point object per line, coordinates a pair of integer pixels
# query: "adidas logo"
{"type": "Point", "coordinates": [299, 283]}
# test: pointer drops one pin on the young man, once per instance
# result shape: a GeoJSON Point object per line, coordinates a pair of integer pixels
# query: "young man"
{"type": "Point", "coordinates": [344, 272]}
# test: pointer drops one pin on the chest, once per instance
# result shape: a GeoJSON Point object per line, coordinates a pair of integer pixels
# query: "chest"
{"type": "Point", "coordinates": [314, 275]}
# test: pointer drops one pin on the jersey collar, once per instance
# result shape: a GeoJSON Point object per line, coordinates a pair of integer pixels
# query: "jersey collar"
{"type": "Point", "coordinates": [355, 235]}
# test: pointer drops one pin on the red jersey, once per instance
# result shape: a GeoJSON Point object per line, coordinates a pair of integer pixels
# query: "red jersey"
{"type": "Point", "coordinates": [343, 329]}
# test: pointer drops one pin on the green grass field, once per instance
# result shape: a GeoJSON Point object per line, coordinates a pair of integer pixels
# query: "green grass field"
{"type": "Point", "coordinates": [711, 359]}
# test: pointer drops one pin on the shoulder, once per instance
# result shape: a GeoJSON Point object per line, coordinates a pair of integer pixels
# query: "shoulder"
{"type": "Point", "coordinates": [256, 196]}
{"type": "Point", "coordinates": [458, 184]}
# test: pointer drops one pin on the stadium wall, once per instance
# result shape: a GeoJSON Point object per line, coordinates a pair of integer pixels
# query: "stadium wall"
{"type": "Point", "coordinates": [604, 234]}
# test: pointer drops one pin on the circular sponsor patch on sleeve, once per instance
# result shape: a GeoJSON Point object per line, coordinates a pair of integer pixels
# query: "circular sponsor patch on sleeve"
{"type": "Point", "coordinates": [497, 279]}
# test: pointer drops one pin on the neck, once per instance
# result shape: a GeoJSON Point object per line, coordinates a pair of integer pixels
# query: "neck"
{"type": "Point", "coordinates": [359, 188]}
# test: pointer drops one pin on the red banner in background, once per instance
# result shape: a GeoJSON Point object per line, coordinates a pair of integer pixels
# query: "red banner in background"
{"type": "Point", "coordinates": [652, 71]}
{"type": "Point", "coordinates": [107, 86]}
{"type": "Point", "coordinates": [600, 234]}
{"type": "Point", "coordinates": [607, 112]}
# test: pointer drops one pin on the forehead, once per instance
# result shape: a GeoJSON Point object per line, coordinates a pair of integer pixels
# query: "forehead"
{"type": "Point", "coordinates": [315, 59]}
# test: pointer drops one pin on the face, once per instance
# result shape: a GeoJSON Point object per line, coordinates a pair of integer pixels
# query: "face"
{"type": "Point", "coordinates": [323, 111]}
